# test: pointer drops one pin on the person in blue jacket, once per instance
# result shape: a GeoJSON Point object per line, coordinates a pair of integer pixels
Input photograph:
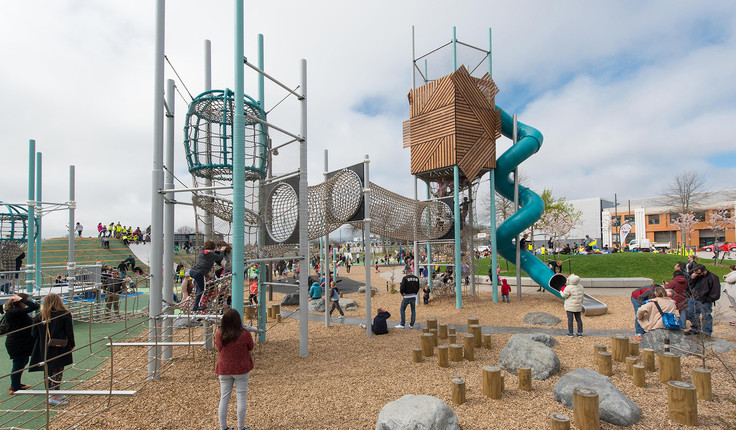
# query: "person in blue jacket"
{"type": "Point", "coordinates": [315, 291]}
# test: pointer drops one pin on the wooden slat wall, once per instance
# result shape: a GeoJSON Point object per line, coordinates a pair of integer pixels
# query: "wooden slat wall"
{"type": "Point", "coordinates": [472, 95]}
{"type": "Point", "coordinates": [443, 95]}
{"type": "Point", "coordinates": [433, 155]}
{"type": "Point", "coordinates": [430, 126]}
{"type": "Point", "coordinates": [483, 150]}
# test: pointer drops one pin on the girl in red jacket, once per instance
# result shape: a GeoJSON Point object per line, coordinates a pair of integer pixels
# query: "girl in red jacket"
{"type": "Point", "coordinates": [505, 290]}
{"type": "Point", "coordinates": [234, 365]}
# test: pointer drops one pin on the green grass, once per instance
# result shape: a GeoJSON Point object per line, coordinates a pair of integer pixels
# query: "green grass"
{"type": "Point", "coordinates": [658, 267]}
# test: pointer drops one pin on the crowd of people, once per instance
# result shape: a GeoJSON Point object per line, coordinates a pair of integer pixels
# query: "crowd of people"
{"type": "Point", "coordinates": [125, 233]}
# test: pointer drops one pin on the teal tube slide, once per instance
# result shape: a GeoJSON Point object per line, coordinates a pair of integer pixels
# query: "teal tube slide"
{"type": "Point", "coordinates": [531, 205]}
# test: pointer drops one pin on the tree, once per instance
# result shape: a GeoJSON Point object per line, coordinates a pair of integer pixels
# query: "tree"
{"type": "Point", "coordinates": [557, 224]}
{"type": "Point", "coordinates": [685, 193]}
{"type": "Point", "coordinates": [686, 224]}
{"type": "Point", "coordinates": [185, 229]}
{"type": "Point", "coordinates": [721, 220]}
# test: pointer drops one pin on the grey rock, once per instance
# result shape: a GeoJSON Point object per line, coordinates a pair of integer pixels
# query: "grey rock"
{"type": "Point", "coordinates": [348, 304]}
{"type": "Point", "coordinates": [412, 412]}
{"type": "Point", "coordinates": [614, 407]}
{"type": "Point", "coordinates": [317, 305]}
{"type": "Point", "coordinates": [541, 318]}
{"type": "Point", "coordinates": [361, 289]}
{"type": "Point", "coordinates": [290, 300]}
{"type": "Point", "coordinates": [525, 350]}
{"type": "Point", "coordinates": [181, 323]}
{"type": "Point", "coordinates": [655, 340]}
{"type": "Point", "coordinates": [540, 337]}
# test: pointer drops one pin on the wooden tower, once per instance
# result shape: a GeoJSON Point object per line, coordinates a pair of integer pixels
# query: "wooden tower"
{"type": "Point", "coordinates": [453, 121]}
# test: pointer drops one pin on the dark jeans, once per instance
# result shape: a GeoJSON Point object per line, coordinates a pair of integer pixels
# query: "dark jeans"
{"type": "Point", "coordinates": [198, 279]}
{"type": "Point", "coordinates": [578, 318]}
{"type": "Point", "coordinates": [700, 316]}
{"type": "Point", "coordinates": [336, 305]}
{"type": "Point", "coordinates": [19, 363]}
{"type": "Point", "coordinates": [404, 303]}
{"type": "Point", "coordinates": [637, 327]}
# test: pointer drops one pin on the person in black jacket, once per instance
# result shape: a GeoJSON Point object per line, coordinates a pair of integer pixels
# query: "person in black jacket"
{"type": "Point", "coordinates": [704, 289]}
{"type": "Point", "coordinates": [18, 341]}
{"type": "Point", "coordinates": [409, 288]}
{"type": "Point", "coordinates": [53, 322]}
{"type": "Point", "coordinates": [379, 325]}
{"type": "Point", "coordinates": [201, 267]}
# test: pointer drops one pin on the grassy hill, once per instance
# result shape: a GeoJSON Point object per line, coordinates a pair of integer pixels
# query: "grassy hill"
{"type": "Point", "coordinates": [87, 250]}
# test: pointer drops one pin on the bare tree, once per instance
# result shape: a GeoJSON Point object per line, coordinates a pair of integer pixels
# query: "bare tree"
{"type": "Point", "coordinates": [185, 229]}
{"type": "Point", "coordinates": [685, 193]}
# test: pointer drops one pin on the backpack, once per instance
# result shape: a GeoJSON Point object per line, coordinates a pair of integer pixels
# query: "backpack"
{"type": "Point", "coordinates": [670, 320]}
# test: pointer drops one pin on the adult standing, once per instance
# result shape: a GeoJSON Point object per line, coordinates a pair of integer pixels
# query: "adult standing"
{"type": "Point", "coordinates": [234, 364]}
{"type": "Point", "coordinates": [79, 229]}
{"type": "Point", "coordinates": [705, 289]}
{"type": "Point", "coordinates": [19, 342]}
{"type": "Point", "coordinates": [692, 260]}
{"type": "Point", "coordinates": [409, 288]}
{"type": "Point", "coordinates": [53, 322]}
{"type": "Point", "coordinates": [678, 285]}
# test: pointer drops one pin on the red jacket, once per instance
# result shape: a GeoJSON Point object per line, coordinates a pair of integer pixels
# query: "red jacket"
{"type": "Point", "coordinates": [505, 287]}
{"type": "Point", "coordinates": [235, 357]}
{"type": "Point", "coordinates": [679, 285]}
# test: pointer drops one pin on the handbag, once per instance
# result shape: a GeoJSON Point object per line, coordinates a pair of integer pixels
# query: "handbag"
{"type": "Point", "coordinates": [55, 343]}
{"type": "Point", "coordinates": [669, 319]}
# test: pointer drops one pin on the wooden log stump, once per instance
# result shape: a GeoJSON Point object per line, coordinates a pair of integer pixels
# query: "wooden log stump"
{"type": "Point", "coordinates": [443, 356]}
{"type": "Point", "coordinates": [475, 330]}
{"type": "Point", "coordinates": [596, 348]}
{"type": "Point", "coordinates": [427, 344]}
{"type": "Point", "coordinates": [458, 391]}
{"type": "Point", "coordinates": [431, 323]}
{"type": "Point", "coordinates": [433, 332]}
{"type": "Point", "coordinates": [525, 378]}
{"type": "Point", "coordinates": [633, 348]}
{"type": "Point", "coordinates": [269, 312]}
{"type": "Point", "coordinates": [276, 309]}
{"type": "Point", "coordinates": [492, 382]}
{"type": "Point", "coordinates": [442, 331]}
{"type": "Point", "coordinates": [605, 365]}
{"type": "Point", "coordinates": [451, 331]}
{"type": "Point", "coordinates": [425, 329]}
{"type": "Point", "coordinates": [559, 422]}
{"type": "Point", "coordinates": [669, 367]}
{"type": "Point", "coordinates": [456, 352]}
{"type": "Point", "coordinates": [648, 359]}
{"type": "Point", "coordinates": [585, 408]}
{"type": "Point", "coordinates": [702, 382]}
{"type": "Point", "coordinates": [469, 347]}
{"type": "Point", "coordinates": [639, 375]}
{"type": "Point", "coordinates": [630, 362]}
{"type": "Point", "coordinates": [416, 355]}
{"type": "Point", "coordinates": [278, 317]}
{"type": "Point", "coordinates": [250, 312]}
{"type": "Point", "coordinates": [682, 403]}
{"type": "Point", "coordinates": [487, 340]}
{"type": "Point", "coordinates": [473, 321]}
{"type": "Point", "coordinates": [619, 348]}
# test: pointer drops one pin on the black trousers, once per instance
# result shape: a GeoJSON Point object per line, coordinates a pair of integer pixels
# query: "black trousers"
{"type": "Point", "coordinates": [578, 318]}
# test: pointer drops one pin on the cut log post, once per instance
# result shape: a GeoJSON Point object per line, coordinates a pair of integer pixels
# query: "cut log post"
{"type": "Point", "coordinates": [630, 362]}
{"type": "Point", "coordinates": [442, 333]}
{"type": "Point", "coordinates": [431, 323]}
{"type": "Point", "coordinates": [433, 332]}
{"type": "Point", "coordinates": [487, 340]}
{"type": "Point", "coordinates": [492, 382]}
{"type": "Point", "coordinates": [701, 380]}
{"type": "Point", "coordinates": [669, 367]}
{"type": "Point", "coordinates": [443, 356]}
{"type": "Point", "coordinates": [619, 348]}
{"type": "Point", "coordinates": [456, 352]}
{"type": "Point", "coordinates": [469, 347]}
{"type": "Point", "coordinates": [682, 403]}
{"type": "Point", "coordinates": [473, 321]}
{"type": "Point", "coordinates": [269, 312]}
{"type": "Point", "coordinates": [598, 347]}
{"type": "Point", "coordinates": [425, 329]}
{"type": "Point", "coordinates": [525, 378]}
{"type": "Point", "coordinates": [585, 408]}
{"type": "Point", "coordinates": [648, 359]}
{"type": "Point", "coordinates": [416, 355]}
{"type": "Point", "coordinates": [276, 309]}
{"type": "Point", "coordinates": [458, 391]}
{"type": "Point", "coordinates": [475, 330]}
{"type": "Point", "coordinates": [559, 422]}
{"type": "Point", "coordinates": [605, 365]}
{"type": "Point", "coordinates": [278, 317]}
{"type": "Point", "coordinates": [633, 348]}
{"type": "Point", "coordinates": [639, 375]}
{"type": "Point", "coordinates": [451, 331]}
{"type": "Point", "coordinates": [250, 312]}
{"type": "Point", "coordinates": [427, 344]}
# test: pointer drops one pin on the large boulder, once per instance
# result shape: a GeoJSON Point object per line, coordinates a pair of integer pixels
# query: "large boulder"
{"type": "Point", "coordinates": [683, 344]}
{"type": "Point", "coordinates": [525, 350]}
{"type": "Point", "coordinates": [541, 318]}
{"type": "Point", "coordinates": [317, 305]}
{"type": "Point", "coordinates": [361, 289]}
{"type": "Point", "coordinates": [181, 323]}
{"type": "Point", "coordinates": [290, 300]}
{"type": "Point", "coordinates": [412, 412]}
{"type": "Point", "coordinates": [614, 407]}
{"type": "Point", "coordinates": [348, 304]}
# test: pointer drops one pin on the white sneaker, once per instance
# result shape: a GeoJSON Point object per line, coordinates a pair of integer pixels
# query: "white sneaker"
{"type": "Point", "coordinates": [399, 326]}
{"type": "Point", "coordinates": [341, 317]}
{"type": "Point", "coordinates": [362, 326]}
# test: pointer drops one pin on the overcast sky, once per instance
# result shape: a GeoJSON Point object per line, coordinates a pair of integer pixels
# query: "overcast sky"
{"type": "Point", "coordinates": [627, 93]}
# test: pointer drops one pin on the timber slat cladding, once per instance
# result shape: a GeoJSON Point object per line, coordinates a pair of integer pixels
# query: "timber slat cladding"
{"type": "Point", "coordinates": [429, 126]}
{"type": "Point", "coordinates": [432, 155]}
{"type": "Point", "coordinates": [472, 95]}
{"type": "Point", "coordinates": [479, 156]}
{"type": "Point", "coordinates": [444, 94]}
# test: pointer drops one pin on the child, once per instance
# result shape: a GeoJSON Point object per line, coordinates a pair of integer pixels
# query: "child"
{"type": "Point", "coordinates": [234, 365]}
{"type": "Point", "coordinates": [335, 299]}
{"type": "Point", "coordinates": [425, 291]}
{"type": "Point", "coordinates": [505, 290]}
{"type": "Point", "coordinates": [379, 325]}
{"type": "Point", "coordinates": [377, 267]}
{"type": "Point", "coordinates": [253, 297]}
{"type": "Point", "coordinates": [573, 295]}
{"type": "Point", "coordinates": [201, 267]}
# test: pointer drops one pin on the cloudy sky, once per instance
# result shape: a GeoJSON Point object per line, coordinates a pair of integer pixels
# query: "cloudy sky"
{"type": "Point", "coordinates": [626, 93]}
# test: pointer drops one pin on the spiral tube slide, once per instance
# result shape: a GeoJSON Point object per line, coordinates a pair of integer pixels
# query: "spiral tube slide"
{"type": "Point", "coordinates": [531, 205]}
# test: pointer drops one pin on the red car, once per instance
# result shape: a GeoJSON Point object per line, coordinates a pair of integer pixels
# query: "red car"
{"type": "Point", "coordinates": [722, 246]}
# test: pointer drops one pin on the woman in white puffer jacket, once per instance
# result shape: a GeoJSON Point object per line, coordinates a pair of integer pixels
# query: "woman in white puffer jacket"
{"type": "Point", "coordinates": [573, 295]}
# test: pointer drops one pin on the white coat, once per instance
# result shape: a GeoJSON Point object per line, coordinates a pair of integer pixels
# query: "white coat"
{"type": "Point", "coordinates": [573, 295]}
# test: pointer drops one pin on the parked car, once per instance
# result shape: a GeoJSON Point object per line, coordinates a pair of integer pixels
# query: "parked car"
{"type": "Point", "coordinates": [722, 246]}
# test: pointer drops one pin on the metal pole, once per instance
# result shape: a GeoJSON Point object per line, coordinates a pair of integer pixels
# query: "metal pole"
{"type": "Point", "coordinates": [303, 221]}
{"type": "Point", "coordinates": [516, 209]}
{"type": "Point", "coordinates": [454, 48]}
{"type": "Point", "coordinates": [70, 259]}
{"type": "Point", "coordinates": [157, 201]}
{"type": "Point", "coordinates": [326, 260]}
{"type": "Point", "coordinates": [430, 268]}
{"type": "Point", "coordinates": [416, 244]}
{"type": "Point", "coordinates": [238, 280]}
{"type": "Point", "coordinates": [367, 244]}
{"type": "Point", "coordinates": [31, 212]}
{"type": "Point", "coordinates": [458, 256]}
{"type": "Point", "coordinates": [209, 222]}
{"type": "Point", "coordinates": [261, 240]}
{"type": "Point", "coordinates": [471, 242]}
{"type": "Point", "coordinates": [494, 244]}
{"type": "Point", "coordinates": [39, 174]}
{"type": "Point", "coordinates": [168, 258]}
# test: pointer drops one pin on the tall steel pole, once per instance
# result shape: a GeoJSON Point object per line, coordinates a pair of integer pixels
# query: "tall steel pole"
{"type": "Point", "coordinates": [458, 255]}
{"type": "Point", "coordinates": [209, 217]}
{"type": "Point", "coordinates": [303, 220]}
{"type": "Point", "coordinates": [367, 244]}
{"type": "Point", "coordinates": [238, 280]}
{"type": "Point", "coordinates": [263, 140]}
{"type": "Point", "coordinates": [168, 244]}
{"type": "Point", "coordinates": [39, 198]}
{"type": "Point", "coordinates": [515, 138]}
{"type": "Point", "coordinates": [157, 199]}
{"type": "Point", "coordinates": [71, 270]}
{"type": "Point", "coordinates": [494, 245]}
{"type": "Point", "coordinates": [326, 259]}
{"type": "Point", "coordinates": [30, 275]}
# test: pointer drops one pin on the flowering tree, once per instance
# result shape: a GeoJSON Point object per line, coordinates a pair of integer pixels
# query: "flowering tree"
{"type": "Point", "coordinates": [686, 223]}
{"type": "Point", "coordinates": [556, 223]}
{"type": "Point", "coordinates": [721, 220]}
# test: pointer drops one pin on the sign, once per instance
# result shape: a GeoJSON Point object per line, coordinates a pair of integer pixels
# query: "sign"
{"type": "Point", "coordinates": [625, 229]}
